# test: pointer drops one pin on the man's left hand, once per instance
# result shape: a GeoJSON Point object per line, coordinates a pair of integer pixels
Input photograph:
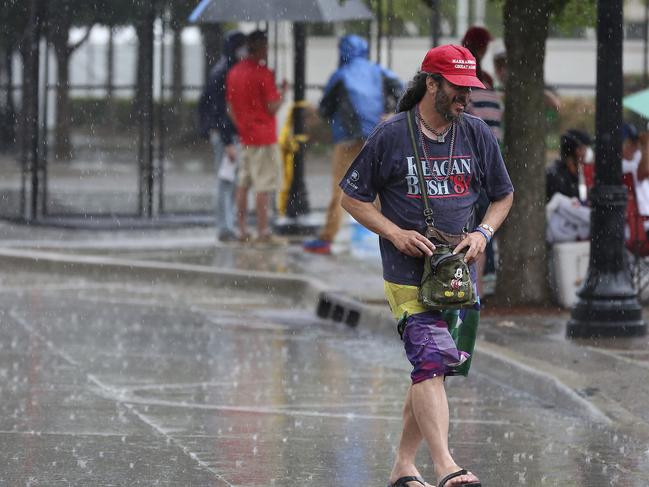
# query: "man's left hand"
{"type": "Point", "coordinates": [476, 243]}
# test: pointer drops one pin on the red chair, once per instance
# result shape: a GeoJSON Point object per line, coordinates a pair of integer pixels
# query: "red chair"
{"type": "Point", "coordinates": [638, 242]}
{"type": "Point", "coordinates": [589, 174]}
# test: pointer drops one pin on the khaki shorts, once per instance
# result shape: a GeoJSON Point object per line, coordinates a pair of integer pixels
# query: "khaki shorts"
{"type": "Point", "coordinates": [260, 168]}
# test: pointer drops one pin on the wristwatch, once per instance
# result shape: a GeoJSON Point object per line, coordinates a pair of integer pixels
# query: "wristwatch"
{"type": "Point", "coordinates": [488, 228]}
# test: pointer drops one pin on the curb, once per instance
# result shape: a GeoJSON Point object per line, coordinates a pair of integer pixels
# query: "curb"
{"type": "Point", "coordinates": [503, 364]}
{"type": "Point", "coordinates": [303, 290]}
{"type": "Point", "coordinates": [516, 371]}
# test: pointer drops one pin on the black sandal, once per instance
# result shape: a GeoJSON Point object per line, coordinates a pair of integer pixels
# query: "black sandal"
{"type": "Point", "coordinates": [403, 481]}
{"type": "Point", "coordinates": [442, 482]}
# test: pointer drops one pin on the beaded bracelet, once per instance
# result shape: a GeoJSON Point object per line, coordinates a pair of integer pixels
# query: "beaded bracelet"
{"type": "Point", "coordinates": [488, 228]}
{"type": "Point", "coordinates": [484, 233]}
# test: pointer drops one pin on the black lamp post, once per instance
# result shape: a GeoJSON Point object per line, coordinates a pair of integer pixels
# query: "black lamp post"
{"type": "Point", "coordinates": [608, 304]}
{"type": "Point", "coordinates": [298, 201]}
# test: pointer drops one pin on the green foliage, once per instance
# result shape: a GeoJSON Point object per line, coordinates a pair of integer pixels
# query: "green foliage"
{"type": "Point", "coordinates": [14, 16]}
{"type": "Point", "coordinates": [115, 12]}
{"type": "Point", "coordinates": [407, 14]}
{"type": "Point", "coordinates": [180, 10]}
{"type": "Point", "coordinates": [61, 14]}
{"type": "Point", "coordinates": [569, 17]}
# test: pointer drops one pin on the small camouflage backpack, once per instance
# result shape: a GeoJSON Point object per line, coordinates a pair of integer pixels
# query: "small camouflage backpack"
{"type": "Point", "coordinates": [446, 281]}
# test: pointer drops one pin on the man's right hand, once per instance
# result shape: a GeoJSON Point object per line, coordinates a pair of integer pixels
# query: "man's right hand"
{"type": "Point", "coordinates": [412, 243]}
{"type": "Point", "coordinates": [231, 152]}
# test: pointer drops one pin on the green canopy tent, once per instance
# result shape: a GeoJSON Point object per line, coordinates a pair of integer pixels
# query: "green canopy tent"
{"type": "Point", "coordinates": [638, 103]}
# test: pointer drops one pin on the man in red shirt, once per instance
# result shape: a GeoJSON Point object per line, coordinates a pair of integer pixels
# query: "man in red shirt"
{"type": "Point", "coordinates": [253, 101]}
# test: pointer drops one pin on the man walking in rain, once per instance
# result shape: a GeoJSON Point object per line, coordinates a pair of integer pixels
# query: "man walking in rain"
{"type": "Point", "coordinates": [459, 156]}
{"type": "Point", "coordinates": [358, 94]}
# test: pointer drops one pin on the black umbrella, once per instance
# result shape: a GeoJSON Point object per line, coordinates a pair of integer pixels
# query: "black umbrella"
{"type": "Point", "coordinates": [298, 12]}
{"type": "Point", "coordinates": [273, 10]}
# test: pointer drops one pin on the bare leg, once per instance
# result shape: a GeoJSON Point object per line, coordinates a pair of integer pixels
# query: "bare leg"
{"type": "Point", "coordinates": [242, 210]}
{"type": "Point", "coordinates": [411, 437]}
{"type": "Point", "coordinates": [430, 408]}
{"type": "Point", "coordinates": [262, 201]}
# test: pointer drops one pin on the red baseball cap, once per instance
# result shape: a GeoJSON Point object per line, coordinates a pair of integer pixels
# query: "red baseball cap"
{"type": "Point", "coordinates": [455, 63]}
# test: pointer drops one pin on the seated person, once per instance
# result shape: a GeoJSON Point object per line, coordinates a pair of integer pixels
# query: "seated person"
{"type": "Point", "coordinates": [568, 217]}
{"type": "Point", "coordinates": [635, 160]}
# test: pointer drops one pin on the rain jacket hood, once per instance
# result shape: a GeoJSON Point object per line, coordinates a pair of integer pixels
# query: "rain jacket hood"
{"type": "Point", "coordinates": [212, 109]}
{"type": "Point", "coordinates": [233, 41]}
{"type": "Point", "coordinates": [358, 93]}
{"type": "Point", "coordinates": [352, 47]}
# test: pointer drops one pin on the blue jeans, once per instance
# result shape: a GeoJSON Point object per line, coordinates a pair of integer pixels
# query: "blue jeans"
{"type": "Point", "coordinates": [225, 210]}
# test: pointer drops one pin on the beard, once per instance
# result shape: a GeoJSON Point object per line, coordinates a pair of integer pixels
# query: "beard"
{"type": "Point", "coordinates": [443, 105]}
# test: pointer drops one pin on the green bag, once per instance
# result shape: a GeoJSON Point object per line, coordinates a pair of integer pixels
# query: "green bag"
{"type": "Point", "coordinates": [463, 331]}
{"type": "Point", "coordinates": [446, 281]}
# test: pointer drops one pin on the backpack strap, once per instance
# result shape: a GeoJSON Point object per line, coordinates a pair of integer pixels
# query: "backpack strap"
{"type": "Point", "coordinates": [428, 212]}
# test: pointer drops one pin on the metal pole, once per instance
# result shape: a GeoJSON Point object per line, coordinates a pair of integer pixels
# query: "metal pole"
{"type": "Point", "coordinates": [298, 203]}
{"type": "Point", "coordinates": [149, 109]}
{"type": "Point", "coordinates": [161, 121]}
{"type": "Point", "coordinates": [434, 22]}
{"type": "Point", "coordinates": [379, 30]}
{"type": "Point", "coordinates": [390, 31]}
{"type": "Point", "coordinates": [44, 142]}
{"type": "Point", "coordinates": [33, 126]}
{"type": "Point", "coordinates": [276, 48]}
{"type": "Point", "coordinates": [146, 116]}
{"type": "Point", "coordinates": [608, 304]}
{"type": "Point", "coordinates": [461, 17]}
{"type": "Point", "coordinates": [645, 64]}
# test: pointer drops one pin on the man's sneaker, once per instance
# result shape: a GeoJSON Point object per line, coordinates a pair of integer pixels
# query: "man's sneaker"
{"type": "Point", "coordinates": [228, 236]}
{"type": "Point", "coordinates": [318, 246]}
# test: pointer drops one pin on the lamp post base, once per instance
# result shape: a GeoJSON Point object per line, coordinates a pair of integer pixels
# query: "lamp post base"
{"type": "Point", "coordinates": [302, 225]}
{"type": "Point", "coordinates": [602, 317]}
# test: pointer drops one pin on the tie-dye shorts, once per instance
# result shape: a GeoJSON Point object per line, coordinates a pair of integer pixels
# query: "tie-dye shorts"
{"type": "Point", "coordinates": [427, 341]}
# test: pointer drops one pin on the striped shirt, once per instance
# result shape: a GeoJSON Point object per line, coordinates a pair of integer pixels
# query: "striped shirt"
{"type": "Point", "coordinates": [487, 105]}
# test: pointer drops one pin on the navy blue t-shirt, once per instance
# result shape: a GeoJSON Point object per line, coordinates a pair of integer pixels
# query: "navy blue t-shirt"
{"type": "Point", "coordinates": [386, 167]}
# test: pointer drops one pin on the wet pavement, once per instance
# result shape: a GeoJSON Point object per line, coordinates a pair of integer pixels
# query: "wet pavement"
{"type": "Point", "coordinates": [113, 382]}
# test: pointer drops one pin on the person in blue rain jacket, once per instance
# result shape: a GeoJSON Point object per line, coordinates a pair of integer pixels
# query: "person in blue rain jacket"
{"type": "Point", "coordinates": [356, 98]}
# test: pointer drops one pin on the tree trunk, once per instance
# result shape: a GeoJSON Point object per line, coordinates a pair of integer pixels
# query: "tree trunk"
{"type": "Point", "coordinates": [522, 275]}
{"type": "Point", "coordinates": [62, 143]}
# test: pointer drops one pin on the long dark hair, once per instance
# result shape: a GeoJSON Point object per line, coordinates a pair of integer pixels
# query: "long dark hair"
{"type": "Point", "coordinates": [415, 91]}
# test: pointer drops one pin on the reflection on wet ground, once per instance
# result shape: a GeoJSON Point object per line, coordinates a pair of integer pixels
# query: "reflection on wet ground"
{"type": "Point", "coordinates": [127, 384]}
